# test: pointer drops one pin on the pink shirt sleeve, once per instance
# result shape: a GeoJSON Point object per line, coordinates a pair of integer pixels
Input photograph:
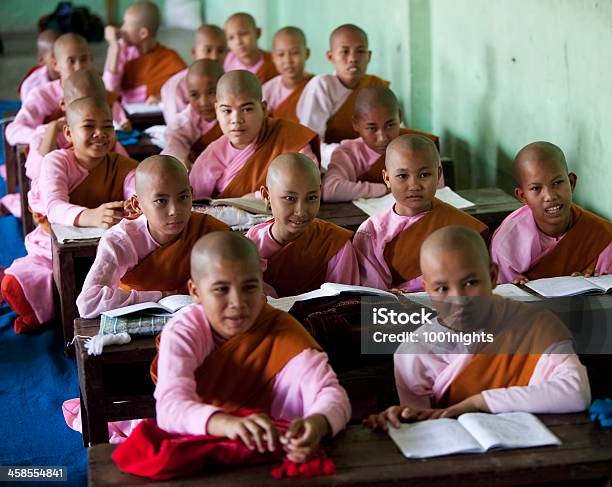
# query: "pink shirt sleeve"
{"type": "Point", "coordinates": [117, 253]}
{"type": "Point", "coordinates": [119, 115]}
{"type": "Point", "coordinates": [31, 114]}
{"type": "Point", "coordinates": [307, 385]}
{"type": "Point", "coordinates": [174, 96]}
{"type": "Point", "coordinates": [112, 81]}
{"type": "Point", "coordinates": [373, 269]}
{"type": "Point", "coordinates": [184, 345]}
{"type": "Point", "coordinates": [205, 174]}
{"type": "Point", "coordinates": [604, 261]}
{"type": "Point", "coordinates": [37, 78]}
{"type": "Point", "coordinates": [340, 182]}
{"type": "Point", "coordinates": [343, 267]}
{"type": "Point", "coordinates": [181, 134]}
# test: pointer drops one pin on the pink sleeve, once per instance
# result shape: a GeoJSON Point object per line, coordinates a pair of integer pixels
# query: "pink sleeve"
{"type": "Point", "coordinates": [112, 81]}
{"type": "Point", "coordinates": [373, 269]}
{"type": "Point", "coordinates": [115, 256]}
{"type": "Point", "coordinates": [413, 379]}
{"type": "Point", "coordinates": [307, 151]}
{"type": "Point", "coordinates": [29, 116]}
{"type": "Point", "coordinates": [179, 139]}
{"type": "Point", "coordinates": [54, 188]}
{"type": "Point", "coordinates": [182, 350]}
{"type": "Point", "coordinates": [506, 272]}
{"type": "Point", "coordinates": [559, 385]}
{"type": "Point", "coordinates": [172, 93]}
{"type": "Point", "coordinates": [307, 385]}
{"type": "Point", "coordinates": [343, 267]}
{"type": "Point", "coordinates": [205, 174]}
{"type": "Point", "coordinates": [340, 182]}
{"type": "Point", "coordinates": [604, 261]}
{"type": "Point", "coordinates": [119, 115]}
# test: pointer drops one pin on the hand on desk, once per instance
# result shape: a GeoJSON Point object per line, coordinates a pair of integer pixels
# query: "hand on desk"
{"type": "Point", "coordinates": [256, 431]}
{"type": "Point", "coordinates": [153, 100]}
{"type": "Point", "coordinates": [302, 438]}
{"type": "Point", "coordinates": [520, 279]}
{"type": "Point", "coordinates": [588, 273]}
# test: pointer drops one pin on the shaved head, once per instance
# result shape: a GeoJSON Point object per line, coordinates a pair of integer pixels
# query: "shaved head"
{"type": "Point", "coordinates": [414, 144]}
{"type": "Point", "coordinates": [239, 82]}
{"type": "Point", "coordinates": [291, 31]}
{"type": "Point", "coordinates": [206, 68]}
{"type": "Point", "coordinates": [84, 83]}
{"type": "Point", "coordinates": [75, 109]}
{"type": "Point", "coordinates": [296, 163]}
{"type": "Point", "coordinates": [66, 40]}
{"type": "Point", "coordinates": [146, 15]}
{"type": "Point", "coordinates": [352, 28]}
{"type": "Point", "coordinates": [210, 30]}
{"type": "Point", "coordinates": [538, 152]}
{"type": "Point", "coordinates": [45, 40]}
{"type": "Point", "coordinates": [455, 238]}
{"type": "Point", "coordinates": [218, 246]}
{"type": "Point", "coordinates": [244, 18]}
{"type": "Point", "coordinates": [373, 97]}
{"type": "Point", "coordinates": [159, 167]}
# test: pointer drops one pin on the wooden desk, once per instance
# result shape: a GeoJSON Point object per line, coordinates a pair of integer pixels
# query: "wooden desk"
{"type": "Point", "coordinates": [141, 121]}
{"type": "Point", "coordinates": [366, 458]}
{"type": "Point", "coordinates": [143, 149]}
{"type": "Point", "coordinates": [71, 262]}
{"type": "Point", "coordinates": [345, 215]}
{"type": "Point", "coordinates": [115, 385]}
{"type": "Point", "coordinates": [10, 155]}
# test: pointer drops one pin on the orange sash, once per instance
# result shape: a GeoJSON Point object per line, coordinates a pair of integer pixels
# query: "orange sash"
{"type": "Point", "coordinates": [340, 124]}
{"type": "Point", "coordinates": [374, 173]}
{"type": "Point", "coordinates": [306, 257]}
{"type": "Point", "coordinates": [275, 137]}
{"type": "Point", "coordinates": [578, 250]}
{"type": "Point", "coordinates": [287, 108]}
{"type": "Point", "coordinates": [168, 268]}
{"type": "Point", "coordinates": [152, 69]}
{"type": "Point", "coordinates": [267, 70]}
{"type": "Point", "coordinates": [402, 253]}
{"type": "Point", "coordinates": [202, 143]}
{"type": "Point", "coordinates": [511, 359]}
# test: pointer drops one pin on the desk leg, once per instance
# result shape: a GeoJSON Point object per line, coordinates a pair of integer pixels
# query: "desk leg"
{"type": "Point", "coordinates": [64, 277]}
{"type": "Point", "coordinates": [93, 400]}
{"type": "Point", "coordinates": [11, 173]}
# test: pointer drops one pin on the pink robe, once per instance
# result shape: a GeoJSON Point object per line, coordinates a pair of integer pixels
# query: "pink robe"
{"type": "Point", "coordinates": [120, 249]}
{"type": "Point", "coordinates": [559, 383]}
{"type": "Point", "coordinates": [370, 241]}
{"type": "Point", "coordinates": [518, 244]}
{"type": "Point", "coordinates": [39, 104]}
{"type": "Point", "coordinates": [60, 174]}
{"type": "Point", "coordinates": [232, 63]}
{"type": "Point", "coordinates": [307, 385]}
{"type": "Point", "coordinates": [187, 127]}
{"type": "Point", "coordinates": [112, 81]}
{"type": "Point", "coordinates": [38, 77]}
{"type": "Point", "coordinates": [275, 92]}
{"type": "Point", "coordinates": [342, 268]}
{"type": "Point", "coordinates": [215, 168]}
{"type": "Point", "coordinates": [175, 96]}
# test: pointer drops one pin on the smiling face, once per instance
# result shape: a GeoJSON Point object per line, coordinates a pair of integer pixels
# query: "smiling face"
{"type": "Point", "coordinates": [202, 95]}
{"type": "Point", "coordinates": [240, 117]}
{"type": "Point", "coordinates": [289, 55]}
{"type": "Point", "coordinates": [546, 187]}
{"type": "Point", "coordinates": [379, 126]}
{"type": "Point", "coordinates": [412, 176]}
{"type": "Point", "coordinates": [242, 37]}
{"type": "Point", "coordinates": [350, 56]}
{"type": "Point", "coordinates": [90, 130]}
{"type": "Point", "coordinates": [209, 44]}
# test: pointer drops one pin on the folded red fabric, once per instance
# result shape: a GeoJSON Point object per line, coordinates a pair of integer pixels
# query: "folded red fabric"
{"type": "Point", "coordinates": [156, 454]}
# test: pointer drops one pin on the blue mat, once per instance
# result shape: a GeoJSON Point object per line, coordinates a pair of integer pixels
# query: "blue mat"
{"type": "Point", "coordinates": [35, 378]}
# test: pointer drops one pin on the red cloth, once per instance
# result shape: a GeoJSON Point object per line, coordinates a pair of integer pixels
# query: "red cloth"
{"type": "Point", "coordinates": [159, 455]}
{"type": "Point", "coordinates": [14, 296]}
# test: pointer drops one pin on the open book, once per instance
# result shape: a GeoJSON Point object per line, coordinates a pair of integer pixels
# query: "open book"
{"type": "Point", "coordinates": [142, 108]}
{"type": "Point", "coordinates": [252, 205]}
{"type": "Point", "coordinates": [164, 307]}
{"type": "Point", "coordinates": [327, 289]}
{"type": "Point", "coordinates": [552, 287]}
{"type": "Point", "coordinates": [68, 234]}
{"type": "Point", "coordinates": [471, 433]}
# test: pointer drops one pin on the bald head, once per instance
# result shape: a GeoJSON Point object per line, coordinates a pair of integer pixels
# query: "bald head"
{"type": "Point", "coordinates": [455, 238]}
{"type": "Point", "coordinates": [239, 83]}
{"type": "Point", "coordinates": [68, 41]}
{"type": "Point", "coordinates": [219, 246]}
{"type": "Point", "coordinates": [158, 168]}
{"type": "Point", "coordinates": [538, 152]}
{"type": "Point", "coordinates": [295, 164]}
{"type": "Point", "coordinates": [374, 97]}
{"type": "Point", "coordinates": [244, 18]}
{"type": "Point", "coordinates": [145, 14]}
{"type": "Point", "coordinates": [45, 40]}
{"type": "Point", "coordinates": [293, 32]}
{"type": "Point", "coordinates": [414, 144]}
{"type": "Point", "coordinates": [351, 29]}
{"type": "Point", "coordinates": [76, 109]}
{"type": "Point", "coordinates": [84, 83]}
{"type": "Point", "coordinates": [206, 68]}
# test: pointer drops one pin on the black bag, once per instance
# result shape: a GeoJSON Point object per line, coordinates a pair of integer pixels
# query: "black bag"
{"type": "Point", "coordinates": [68, 18]}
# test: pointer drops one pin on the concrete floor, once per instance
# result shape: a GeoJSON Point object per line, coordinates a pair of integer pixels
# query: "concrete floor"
{"type": "Point", "coordinates": [20, 55]}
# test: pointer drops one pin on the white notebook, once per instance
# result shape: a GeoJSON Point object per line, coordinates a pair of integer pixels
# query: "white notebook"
{"type": "Point", "coordinates": [514, 292]}
{"type": "Point", "coordinates": [169, 305]}
{"type": "Point", "coordinates": [141, 108]}
{"type": "Point", "coordinates": [471, 433]}
{"type": "Point", "coordinates": [67, 234]}
{"type": "Point", "coordinates": [551, 287]}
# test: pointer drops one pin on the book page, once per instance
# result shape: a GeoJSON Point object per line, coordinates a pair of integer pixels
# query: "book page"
{"type": "Point", "coordinates": [335, 288]}
{"type": "Point", "coordinates": [67, 234]}
{"type": "Point", "coordinates": [551, 287]}
{"type": "Point", "coordinates": [514, 292]}
{"type": "Point", "coordinates": [433, 438]}
{"type": "Point", "coordinates": [604, 282]}
{"type": "Point", "coordinates": [508, 430]}
{"type": "Point", "coordinates": [252, 205]}
{"type": "Point", "coordinates": [375, 206]}
{"type": "Point", "coordinates": [135, 308]}
{"type": "Point", "coordinates": [287, 302]}
{"type": "Point", "coordinates": [134, 108]}
{"type": "Point", "coordinates": [176, 301]}
{"type": "Point", "coordinates": [449, 196]}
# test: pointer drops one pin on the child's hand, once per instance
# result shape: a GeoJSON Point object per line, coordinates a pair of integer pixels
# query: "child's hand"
{"type": "Point", "coordinates": [256, 431]}
{"type": "Point", "coordinates": [153, 100]}
{"type": "Point", "coordinates": [472, 404]}
{"type": "Point", "coordinates": [104, 216]}
{"type": "Point", "coordinates": [126, 125]}
{"type": "Point", "coordinates": [302, 438]}
{"type": "Point", "coordinates": [112, 34]}
{"type": "Point", "coordinates": [520, 279]}
{"type": "Point", "coordinates": [395, 415]}
{"type": "Point", "coordinates": [588, 273]}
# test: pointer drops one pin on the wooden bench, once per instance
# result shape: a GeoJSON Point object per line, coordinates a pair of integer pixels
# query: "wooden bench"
{"type": "Point", "coordinates": [366, 458]}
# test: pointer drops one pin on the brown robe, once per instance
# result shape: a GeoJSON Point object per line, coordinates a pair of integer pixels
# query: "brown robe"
{"type": "Point", "coordinates": [168, 268]}
{"type": "Point", "coordinates": [402, 253]}
{"type": "Point", "coordinates": [276, 137]}
{"type": "Point", "coordinates": [340, 124]}
{"type": "Point", "coordinates": [267, 70]}
{"type": "Point", "coordinates": [306, 257]}
{"type": "Point", "coordinates": [203, 142]}
{"type": "Point", "coordinates": [578, 250]}
{"type": "Point", "coordinates": [152, 69]}
{"type": "Point", "coordinates": [288, 107]}
{"type": "Point", "coordinates": [374, 173]}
